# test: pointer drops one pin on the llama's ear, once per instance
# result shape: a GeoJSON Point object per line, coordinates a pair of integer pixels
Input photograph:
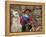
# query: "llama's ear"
{"type": "Point", "coordinates": [11, 9]}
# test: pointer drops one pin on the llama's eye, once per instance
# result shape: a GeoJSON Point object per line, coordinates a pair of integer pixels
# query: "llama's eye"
{"type": "Point", "coordinates": [16, 13]}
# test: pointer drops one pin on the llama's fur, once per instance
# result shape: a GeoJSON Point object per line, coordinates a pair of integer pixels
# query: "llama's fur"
{"type": "Point", "coordinates": [16, 26]}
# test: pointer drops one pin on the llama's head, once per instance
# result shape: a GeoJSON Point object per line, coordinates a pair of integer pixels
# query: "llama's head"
{"type": "Point", "coordinates": [15, 13]}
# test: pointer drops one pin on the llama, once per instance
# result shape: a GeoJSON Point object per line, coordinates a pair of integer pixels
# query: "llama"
{"type": "Point", "coordinates": [16, 26]}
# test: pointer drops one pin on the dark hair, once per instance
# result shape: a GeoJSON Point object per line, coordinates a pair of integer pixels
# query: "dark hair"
{"type": "Point", "coordinates": [30, 26]}
{"type": "Point", "coordinates": [27, 10]}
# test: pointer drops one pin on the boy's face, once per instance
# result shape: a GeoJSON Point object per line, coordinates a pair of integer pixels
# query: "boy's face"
{"type": "Point", "coordinates": [27, 12]}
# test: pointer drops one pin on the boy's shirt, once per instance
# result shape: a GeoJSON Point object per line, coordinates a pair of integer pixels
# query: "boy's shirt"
{"type": "Point", "coordinates": [25, 19]}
